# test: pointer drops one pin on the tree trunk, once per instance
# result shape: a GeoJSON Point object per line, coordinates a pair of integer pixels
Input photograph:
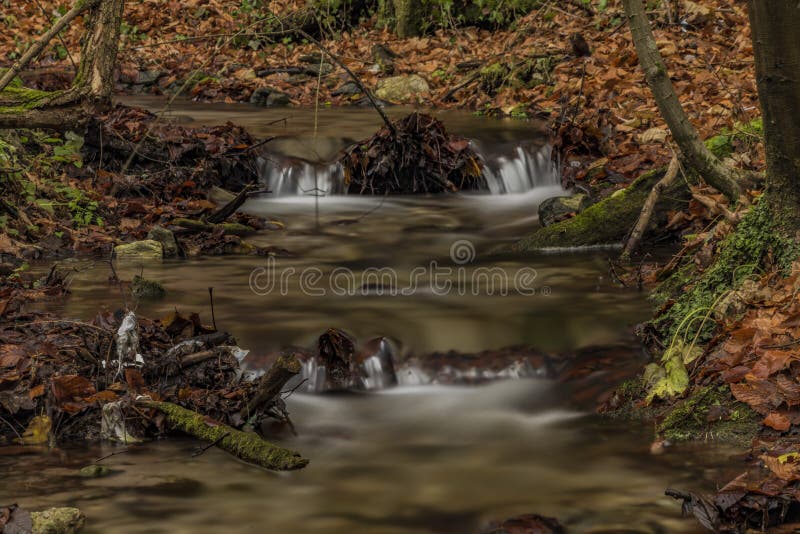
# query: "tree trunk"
{"type": "Point", "coordinates": [37, 47]}
{"type": "Point", "coordinates": [406, 14]}
{"type": "Point", "coordinates": [697, 155]}
{"type": "Point", "coordinates": [774, 25]}
{"type": "Point", "coordinates": [93, 84]}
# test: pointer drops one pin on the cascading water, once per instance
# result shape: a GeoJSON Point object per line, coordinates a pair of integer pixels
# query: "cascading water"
{"type": "Point", "coordinates": [516, 169]}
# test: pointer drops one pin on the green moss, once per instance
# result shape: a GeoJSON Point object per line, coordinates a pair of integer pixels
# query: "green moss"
{"type": "Point", "coordinates": [606, 222]}
{"type": "Point", "coordinates": [245, 445]}
{"type": "Point", "coordinates": [741, 255]}
{"type": "Point", "coordinates": [16, 99]}
{"type": "Point", "coordinates": [57, 521]}
{"type": "Point", "coordinates": [722, 145]}
{"type": "Point", "coordinates": [494, 76]}
{"type": "Point", "coordinates": [710, 413]}
{"type": "Point", "coordinates": [142, 288]}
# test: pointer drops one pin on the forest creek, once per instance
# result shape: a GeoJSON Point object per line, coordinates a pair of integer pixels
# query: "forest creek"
{"type": "Point", "coordinates": [399, 266]}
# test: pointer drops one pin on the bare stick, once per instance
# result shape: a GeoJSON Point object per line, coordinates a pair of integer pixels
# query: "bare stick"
{"type": "Point", "coordinates": [39, 45]}
{"type": "Point", "coordinates": [271, 384]}
{"type": "Point", "coordinates": [355, 78]}
{"type": "Point", "coordinates": [649, 206]}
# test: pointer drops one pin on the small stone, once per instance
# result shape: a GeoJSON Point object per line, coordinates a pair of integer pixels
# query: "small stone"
{"type": "Point", "coordinates": [347, 89]}
{"type": "Point", "coordinates": [402, 88]}
{"type": "Point", "coordinates": [556, 209]}
{"type": "Point", "coordinates": [94, 471]}
{"type": "Point", "coordinates": [148, 77]}
{"type": "Point", "coordinates": [139, 250]}
{"type": "Point", "coordinates": [167, 239]}
{"type": "Point", "coordinates": [277, 99]}
{"type": "Point", "coordinates": [259, 96]}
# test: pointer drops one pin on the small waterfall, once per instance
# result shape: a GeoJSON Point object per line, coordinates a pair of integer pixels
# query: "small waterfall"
{"type": "Point", "coordinates": [524, 169]}
{"type": "Point", "coordinates": [375, 371]}
{"type": "Point", "coordinates": [517, 169]}
{"type": "Point", "coordinates": [294, 176]}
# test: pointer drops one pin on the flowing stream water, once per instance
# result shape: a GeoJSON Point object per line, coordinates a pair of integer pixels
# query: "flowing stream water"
{"type": "Point", "coordinates": [413, 458]}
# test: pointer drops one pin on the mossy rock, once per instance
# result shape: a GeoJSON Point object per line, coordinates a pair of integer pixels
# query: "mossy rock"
{"type": "Point", "coordinates": [57, 521]}
{"type": "Point", "coordinates": [609, 221]}
{"type": "Point", "coordinates": [95, 471]}
{"type": "Point", "coordinates": [402, 88]}
{"type": "Point", "coordinates": [142, 288]}
{"type": "Point", "coordinates": [148, 249]}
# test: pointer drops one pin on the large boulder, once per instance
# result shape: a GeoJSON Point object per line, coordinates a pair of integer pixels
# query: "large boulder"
{"type": "Point", "coordinates": [402, 88]}
{"type": "Point", "coordinates": [148, 249]}
{"type": "Point", "coordinates": [555, 209]}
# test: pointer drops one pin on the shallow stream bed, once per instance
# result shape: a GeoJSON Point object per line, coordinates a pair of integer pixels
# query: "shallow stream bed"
{"type": "Point", "coordinates": [435, 458]}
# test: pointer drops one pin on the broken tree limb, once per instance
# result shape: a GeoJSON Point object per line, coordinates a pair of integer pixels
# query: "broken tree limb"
{"type": "Point", "coordinates": [271, 384]}
{"type": "Point", "coordinates": [649, 205]}
{"type": "Point", "coordinates": [230, 208]}
{"type": "Point", "coordinates": [246, 446]}
{"type": "Point", "coordinates": [713, 172]}
{"type": "Point", "coordinates": [37, 47]}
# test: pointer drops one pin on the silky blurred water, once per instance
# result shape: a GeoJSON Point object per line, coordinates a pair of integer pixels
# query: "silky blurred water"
{"type": "Point", "coordinates": [404, 460]}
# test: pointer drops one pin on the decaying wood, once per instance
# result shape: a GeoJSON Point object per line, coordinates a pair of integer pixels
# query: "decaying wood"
{"type": "Point", "coordinates": [697, 155]}
{"type": "Point", "coordinates": [230, 208]}
{"type": "Point", "coordinates": [271, 384]}
{"type": "Point", "coordinates": [649, 206]}
{"type": "Point", "coordinates": [246, 446]}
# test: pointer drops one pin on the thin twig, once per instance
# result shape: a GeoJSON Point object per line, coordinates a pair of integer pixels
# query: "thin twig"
{"type": "Point", "coordinates": [200, 450]}
{"type": "Point", "coordinates": [123, 451]}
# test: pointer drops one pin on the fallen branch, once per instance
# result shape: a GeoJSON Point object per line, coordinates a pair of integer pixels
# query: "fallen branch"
{"type": "Point", "coordinates": [271, 384]}
{"type": "Point", "coordinates": [230, 208]}
{"type": "Point", "coordinates": [246, 446]}
{"type": "Point", "coordinates": [647, 209]}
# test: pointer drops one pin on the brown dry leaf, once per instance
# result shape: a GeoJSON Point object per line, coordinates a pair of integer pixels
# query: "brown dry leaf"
{"type": "Point", "coordinates": [785, 467]}
{"type": "Point", "coordinates": [36, 391]}
{"type": "Point", "coordinates": [770, 362]}
{"type": "Point", "coordinates": [762, 396]}
{"type": "Point", "coordinates": [778, 422]}
{"type": "Point", "coordinates": [69, 388]}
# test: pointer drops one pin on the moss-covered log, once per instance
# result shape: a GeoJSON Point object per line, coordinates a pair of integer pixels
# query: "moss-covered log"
{"type": "Point", "coordinates": [246, 446]}
{"type": "Point", "coordinates": [610, 220]}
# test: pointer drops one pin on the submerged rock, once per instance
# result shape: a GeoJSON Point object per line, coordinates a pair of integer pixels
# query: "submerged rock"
{"type": "Point", "coordinates": [402, 88]}
{"type": "Point", "coordinates": [94, 471]}
{"type": "Point", "coordinates": [526, 524]}
{"type": "Point", "coordinates": [141, 288]}
{"type": "Point", "coordinates": [140, 250]}
{"type": "Point", "coordinates": [555, 209]}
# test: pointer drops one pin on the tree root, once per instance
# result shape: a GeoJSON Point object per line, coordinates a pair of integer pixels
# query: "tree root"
{"type": "Point", "coordinates": [649, 205]}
